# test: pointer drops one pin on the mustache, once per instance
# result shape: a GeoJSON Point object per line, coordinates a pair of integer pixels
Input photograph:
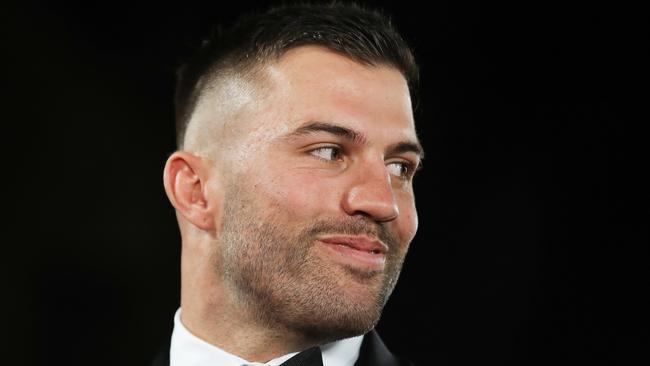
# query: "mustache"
{"type": "Point", "coordinates": [355, 226]}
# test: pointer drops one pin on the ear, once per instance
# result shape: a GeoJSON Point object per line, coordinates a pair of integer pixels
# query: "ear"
{"type": "Point", "coordinates": [185, 178]}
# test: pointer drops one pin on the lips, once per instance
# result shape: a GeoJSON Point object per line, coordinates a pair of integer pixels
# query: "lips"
{"type": "Point", "coordinates": [356, 251]}
{"type": "Point", "coordinates": [360, 243]}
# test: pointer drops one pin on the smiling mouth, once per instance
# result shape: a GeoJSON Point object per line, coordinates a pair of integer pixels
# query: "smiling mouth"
{"type": "Point", "coordinates": [357, 242]}
{"type": "Point", "coordinates": [371, 251]}
{"type": "Point", "coordinates": [356, 251]}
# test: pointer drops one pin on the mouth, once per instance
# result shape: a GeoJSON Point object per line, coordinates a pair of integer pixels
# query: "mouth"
{"type": "Point", "coordinates": [357, 251]}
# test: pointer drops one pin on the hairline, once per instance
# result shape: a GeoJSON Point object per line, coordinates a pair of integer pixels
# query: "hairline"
{"type": "Point", "coordinates": [254, 73]}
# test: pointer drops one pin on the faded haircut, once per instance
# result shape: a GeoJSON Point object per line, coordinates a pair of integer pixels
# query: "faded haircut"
{"type": "Point", "coordinates": [253, 41]}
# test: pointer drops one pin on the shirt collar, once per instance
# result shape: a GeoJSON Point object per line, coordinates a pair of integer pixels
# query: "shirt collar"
{"type": "Point", "coordinates": [189, 350]}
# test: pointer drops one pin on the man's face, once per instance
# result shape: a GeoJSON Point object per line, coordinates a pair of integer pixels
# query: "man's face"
{"type": "Point", "coordinates": [319, 208]}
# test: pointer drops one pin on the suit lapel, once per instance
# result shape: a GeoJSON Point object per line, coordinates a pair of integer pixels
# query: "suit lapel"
{"type": "Point", "coordinates": [375, 353]}
{"type": "Point", "coordinates": [162, 358]}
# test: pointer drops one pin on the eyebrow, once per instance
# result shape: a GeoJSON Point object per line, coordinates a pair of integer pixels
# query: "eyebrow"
{"type": "Point", "coordinates": [334, 129]}
{"type": "Point", "coordinates": [407, 146]}
{"type": "Point", "coordinates": [356, 137]}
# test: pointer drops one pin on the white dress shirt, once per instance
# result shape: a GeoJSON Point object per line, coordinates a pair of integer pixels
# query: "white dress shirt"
{"type": "Point", "coordinates": [189, 350]}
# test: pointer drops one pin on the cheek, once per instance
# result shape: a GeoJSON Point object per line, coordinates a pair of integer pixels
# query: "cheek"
{"type": "Point", "coordinates": [298, 192]}
{"type": "Point", "coordinates": [408, 219]}
{"type": "Point", "coordinates": [411, 225]}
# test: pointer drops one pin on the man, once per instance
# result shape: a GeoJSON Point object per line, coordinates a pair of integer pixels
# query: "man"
{"type": "Point", "coordinates": [292, 186]}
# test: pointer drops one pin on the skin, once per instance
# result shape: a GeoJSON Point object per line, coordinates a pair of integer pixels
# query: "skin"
{"type": "Point", "coordinates": [257, 281]}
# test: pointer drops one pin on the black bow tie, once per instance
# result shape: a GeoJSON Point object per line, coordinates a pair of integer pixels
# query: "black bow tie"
{"type": "Point", "coordinates": [308, 357]}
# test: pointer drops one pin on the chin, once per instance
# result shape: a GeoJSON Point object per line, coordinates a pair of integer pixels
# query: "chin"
{"type": "Point", "coordinates": [354, 310]}
{"type": "Point", "coordinates": [337, 325]}
{"type": "Point", "coordinates": [350, 308]}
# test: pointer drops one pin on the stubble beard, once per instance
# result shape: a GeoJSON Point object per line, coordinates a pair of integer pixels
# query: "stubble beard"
{"type": "Point", "coordinates": [281, 283]}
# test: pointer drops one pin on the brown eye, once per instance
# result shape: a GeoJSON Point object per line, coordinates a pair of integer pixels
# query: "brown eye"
{"type": "Point", "coordinates": [401, 169]}
{"type": "Point", "coordinates": [330, 153]}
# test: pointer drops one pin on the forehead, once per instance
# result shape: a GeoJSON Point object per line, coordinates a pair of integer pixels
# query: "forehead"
{"type": "Point", "coordinates": [313, 83]}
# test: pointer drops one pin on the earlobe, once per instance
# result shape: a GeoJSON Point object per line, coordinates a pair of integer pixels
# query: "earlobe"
{"type": "Point", "coordinates": [185, 179]}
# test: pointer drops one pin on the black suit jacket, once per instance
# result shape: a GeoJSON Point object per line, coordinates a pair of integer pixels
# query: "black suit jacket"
{"type": "Point", "coordinates": [373, 352]}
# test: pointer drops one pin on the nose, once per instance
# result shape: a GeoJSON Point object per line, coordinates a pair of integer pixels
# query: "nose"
{"type": "Point", "coordinates": [371, 194]}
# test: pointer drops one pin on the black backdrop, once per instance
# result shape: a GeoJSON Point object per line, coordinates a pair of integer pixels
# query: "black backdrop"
{"type": "Point", "coordinates": [533, 240]}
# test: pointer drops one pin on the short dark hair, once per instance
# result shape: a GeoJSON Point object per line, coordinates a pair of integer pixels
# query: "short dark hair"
{"type": "Point", "coordinates": [366, 36]}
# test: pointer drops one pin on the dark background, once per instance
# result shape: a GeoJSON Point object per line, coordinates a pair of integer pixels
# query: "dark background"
{"type": "Point", "coordinates": [533, 240]}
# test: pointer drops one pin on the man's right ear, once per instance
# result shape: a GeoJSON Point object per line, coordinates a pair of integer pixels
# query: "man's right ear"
{"type": "Point", "coordinates": [185, 180]}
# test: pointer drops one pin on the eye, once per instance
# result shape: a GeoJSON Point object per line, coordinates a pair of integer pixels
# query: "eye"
{"type": "Point", "coordinates": [403, 169]}
{"type": "Point", "coordinates": [330, 153]}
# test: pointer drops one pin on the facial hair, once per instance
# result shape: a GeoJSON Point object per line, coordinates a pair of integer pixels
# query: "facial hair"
{"type": "Point", "coordinates": [271, 264]}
